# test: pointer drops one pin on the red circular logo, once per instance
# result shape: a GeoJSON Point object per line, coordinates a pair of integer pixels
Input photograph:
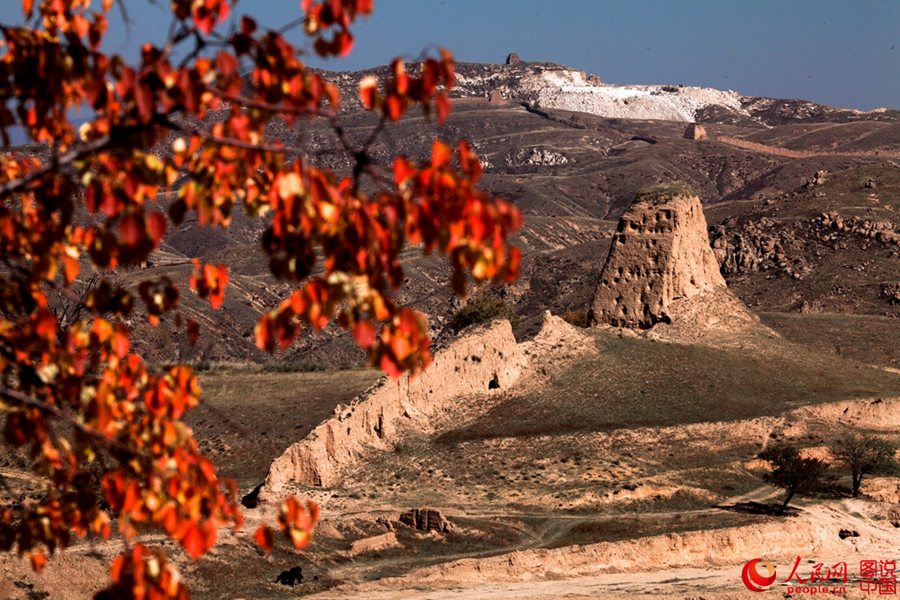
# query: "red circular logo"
{"type": "Point", "coordinates": [753, 579]}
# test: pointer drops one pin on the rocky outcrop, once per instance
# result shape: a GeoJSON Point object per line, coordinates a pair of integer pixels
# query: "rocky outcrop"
{"type": "Point", "coordinates": [660, 255]}
{"type": "Point", "coordinates": [891, 292]}
{"type": "Point", "coordinates": [513, 59]}
{"type": "Point", "coordinates": [496, 97]}
{"type": "Point", "coordinates": [425, 519]}
{"type": "Point", "coordinates": [881, 231]}
{"type": "Point", "coordinates": [818, 178]}
{"type": "Point", "coordinates": [376, 543]}
{"type": "Point", "coordinates": [527, 157]}
{"type": "Point", "coordinates": [695, 132]}
{"type": "Point", "coordinates": [483, 361]}
{"type": "Point", "coordinates": [759, 246]}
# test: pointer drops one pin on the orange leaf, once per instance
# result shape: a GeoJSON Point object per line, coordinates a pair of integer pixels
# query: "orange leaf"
{"type": "Point", "coordinates": [368, 91]}
{"type": "Point", "coordinates": [46, 326]}
{"type": "Point", "coordinates": [71, 268]}
{"type": "Point", "coordinates": [395, 107]}
{"type": "Point", "coordinates": [443, 108]}
{"type": "Point", "coordinates": [440, 154]}
{"type": "Point", "coordinates": [144, 100]}
{"type": "Point", "coordinates": [120, 344]}
{"type": "Point", "coordinates": [344, 43]}
{"type": "Point", "coordinates": [38, 560]}
{"type": "Point", "coordinates": [400, 346]}
{"type": "Point", "coordinates": [157, 224]}
{"type": "Point", "coordinates": [389, 366]}
{"type": "Point", "coordinates": [402, 170]}
{"type": "Point", "coordinates": [193, 331]}
{"type": "Point", "coordinates": [300, 538]}
{"type": "Point", "coordinates": [132, 230]}
{"type": "Point", "coordinates": [364, 332]}
{"type": "Point", "coordinates": [264, 537]}
{"type": "Point", "coordinates": [217, 296]}
{"type": "Point", "coordinates": [195, 541]}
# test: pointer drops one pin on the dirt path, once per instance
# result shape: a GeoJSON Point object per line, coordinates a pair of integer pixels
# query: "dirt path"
{"type": "Point", "coordinates": [719, 582]}
{"type": "Point", "coordinates": [553, 529]}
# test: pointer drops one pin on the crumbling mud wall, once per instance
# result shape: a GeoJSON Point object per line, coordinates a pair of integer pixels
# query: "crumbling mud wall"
{"type": "Point", "coordinates": [708, 548]}
{"type": "Point", "coordinates": [485, 360]}
{"type": "Point", "coordinates": [659, 253]}
{"type": "Point", "coordinates": [789, 153]}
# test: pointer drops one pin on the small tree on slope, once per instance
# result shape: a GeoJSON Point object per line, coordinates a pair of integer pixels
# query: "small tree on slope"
{"type": "Point", "coordinates": [864, 455]}
{"type": "Point", "coordinates": [796, 475]}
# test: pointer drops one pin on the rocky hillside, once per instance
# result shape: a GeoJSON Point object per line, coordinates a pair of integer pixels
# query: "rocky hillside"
{"type": "Point", "coordinates": [574, 172]}
{"type": "Point", "coordinates": [551, 86]}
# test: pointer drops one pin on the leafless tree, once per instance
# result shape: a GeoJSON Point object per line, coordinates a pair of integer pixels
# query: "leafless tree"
{"type": "Point", "coordinates": [864, 455]}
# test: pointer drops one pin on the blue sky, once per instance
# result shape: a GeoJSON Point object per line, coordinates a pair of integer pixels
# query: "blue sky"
{"type": "Point", "coordinates": [840, 52]}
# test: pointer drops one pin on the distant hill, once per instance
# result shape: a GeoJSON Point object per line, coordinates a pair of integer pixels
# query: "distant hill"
{"type": "Point", "coordinates": [572, 152]}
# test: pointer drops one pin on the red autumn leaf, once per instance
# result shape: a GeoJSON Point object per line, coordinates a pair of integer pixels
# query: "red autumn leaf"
{"type": "Point", "coordinates": [156, 222]}
{"type": "Point", "coordinates": [143, 99]}
{"type": "Point", "coordinates": [368, 92]}
{"type": "Point", "coordinates": [440, 154]}
{"type": "Point", "coordinates": [226, 63]}
{"type": "Point", "coordinates": [443, 108]}
{"type": "Point", "coordinates": [38, 560]}
{"type": "Point", "coordinates": [390, 366]}
{"type": "Point", "coordinates": [403, 170]}
{"type": "Point", "coordinates": [46, 326]}
{"type": "Point", "coordinates": [264, 537]}
{"type": "Point", "coordinates": [71, 268]}
{"type": "Point", "coordinates": [364, 333]}
{"type": "Point", "coordinates": [121, 344]}
{"type": "Point", "coordinates": [344, 43]}
{"type": "Point", "coordinates": [220, 280]}
{"type": "Point", "coordinates": [400, 346]}
{"type": "Point", "coordinates": [193, 331]}
{"type": "Point", "coordinates": [195, 541]}
{"type": "Point", "coordinates": [132, 230]}
{"type": "Point", "coordinates": [394, 105]}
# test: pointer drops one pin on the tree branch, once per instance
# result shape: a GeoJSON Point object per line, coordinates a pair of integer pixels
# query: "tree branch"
{"type": "Point", "coordinates": [64, 416]}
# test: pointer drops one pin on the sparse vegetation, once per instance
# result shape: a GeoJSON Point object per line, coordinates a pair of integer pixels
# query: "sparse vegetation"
{"type": "Point", "coordinates": [291, 365]}
{"type": "Point", "coordinates": [893, 517]}
{"type": "Point", "coordinates": [577, 317]}
{"type": "Point", "coordinates": [482, 310]}
{"type": "Point", "coordinates": [864, 455]}
{"type": "Point", "coordinates": [793, 473]}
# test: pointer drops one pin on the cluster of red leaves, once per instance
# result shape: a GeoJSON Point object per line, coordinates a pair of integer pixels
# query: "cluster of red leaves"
{"type": "Point", "coordinates": [339, 14]}
{"type": "Point", "coordinates": [105, 430]}
{"type": "Point", "coordinates": [144, 573]}
{"type": "Point", "coordinates": [400, 90]}
{"type": "Point", "coordinates": [296, 521]}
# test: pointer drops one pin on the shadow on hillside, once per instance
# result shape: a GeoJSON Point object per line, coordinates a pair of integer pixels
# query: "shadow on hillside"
{"type": "Point", "coordinates": [759, 508]}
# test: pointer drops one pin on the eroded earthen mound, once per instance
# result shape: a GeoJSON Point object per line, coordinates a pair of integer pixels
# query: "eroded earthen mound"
{"type": "Point", "coordinates": [660, 262]}
{"type": "Point", "coordinates": [483, 361]}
